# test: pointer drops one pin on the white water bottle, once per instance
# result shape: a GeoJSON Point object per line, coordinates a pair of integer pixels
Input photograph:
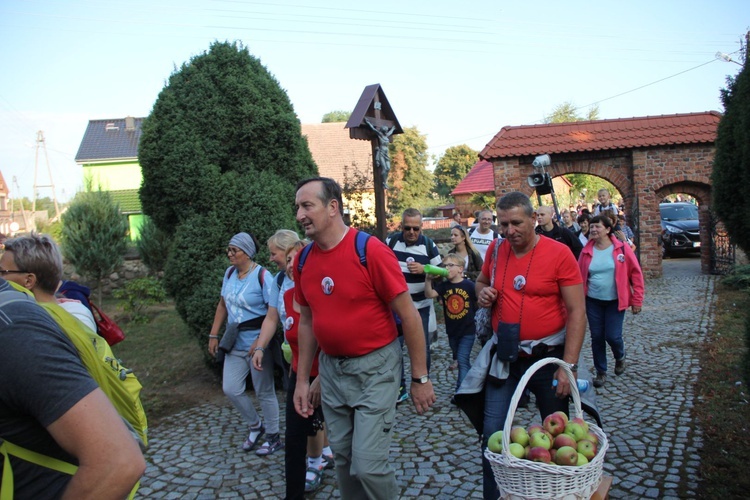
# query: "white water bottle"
{"type": "Point", "coordinates": [583, 384]}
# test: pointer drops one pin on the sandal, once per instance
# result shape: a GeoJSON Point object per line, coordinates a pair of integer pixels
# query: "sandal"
{"type": "Point", "coordinates": [314, 483]}
{"type": "Point", "coordinates": [330, 463]}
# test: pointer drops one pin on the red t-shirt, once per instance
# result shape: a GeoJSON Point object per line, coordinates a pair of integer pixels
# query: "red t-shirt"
{"type": "Point", "coordinates": [553, 266]}
{"type": "Point", "coordinates": [291, 333]}
{"type": "Point", "coordinates": [350, 303]}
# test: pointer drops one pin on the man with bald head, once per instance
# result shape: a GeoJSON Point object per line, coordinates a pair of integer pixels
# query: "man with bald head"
{"type": "Point", "coordinates": [547, 227]}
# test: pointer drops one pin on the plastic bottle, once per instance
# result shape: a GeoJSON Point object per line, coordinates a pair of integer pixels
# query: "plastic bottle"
{"type": "Point", "coordinates": [583, 384]}
{"type": "Point", "coordinates": [437, 271]}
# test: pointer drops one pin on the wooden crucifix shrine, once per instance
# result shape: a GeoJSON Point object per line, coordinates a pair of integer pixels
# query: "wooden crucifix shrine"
{"type": "Point", "coordinates": [373, 120]}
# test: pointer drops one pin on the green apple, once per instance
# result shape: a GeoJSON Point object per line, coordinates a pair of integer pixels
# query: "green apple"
{"type": "Point", "coordinates": [587, 448]}
{"type": "Point", "coordinates": [540, 440]}
{"type": "Point", "coordinates": [519, 435]}
{"type": "Point", "coordinates": [593, 438]}
{"type": "Point", "coordinates": [495, 443]}
{"type": "Point", "coordinates": [581, 422]}
{"type": "Point", "coordinates": [582, 460]}
{"type": "Point", "coordinates": [576, 430]}
{"type": "Point", "coordinates": [517, 450]}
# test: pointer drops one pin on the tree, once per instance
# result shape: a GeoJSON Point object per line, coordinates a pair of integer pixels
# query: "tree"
{"type": "Point", "coordinates": [410, 182]}
{"type": "Point", "coordinates": [567, 112]}
{"type": "Point", "coordinates": [731, 171]}
{"type": "Point", "coordinates": [452, 167]}
{"type": "Point", "coordinates": [221, 152]}
{"type": "Point", "coordinates": [94, 235]}
{"type": "Point", "coordinates": [153, 247]}
{"type": "Point", "coordinates": [336, 116]}
{"type": "Point", "coordinates": [485, 200]}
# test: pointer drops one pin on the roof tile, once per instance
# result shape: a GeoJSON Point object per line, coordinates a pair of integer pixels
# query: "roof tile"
{"type": "Point", "coordinates": [480, 179]}
{"type": "Point", "coordinates": [110, 140]}
{"type": "Point", "coordinates": [599, 135]}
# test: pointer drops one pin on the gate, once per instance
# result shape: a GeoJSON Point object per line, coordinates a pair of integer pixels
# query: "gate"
{"type": "Point", "coordinates": [722, 249]}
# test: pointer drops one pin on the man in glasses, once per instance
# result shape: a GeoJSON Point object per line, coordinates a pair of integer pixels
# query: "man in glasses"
{"type": "Point", "coordinates": [482, 235]}
{"type": "Point", "coordinates": [413, 250]}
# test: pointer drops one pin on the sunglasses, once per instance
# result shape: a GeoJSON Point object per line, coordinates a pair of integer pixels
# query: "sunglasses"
{"type": "Point", "coordinates": [8, 271]}
{"type": "Point", "coordinates": [416, 229]}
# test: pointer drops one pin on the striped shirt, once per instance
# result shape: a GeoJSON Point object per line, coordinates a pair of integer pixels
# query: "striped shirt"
{"type": "Point", "coordinates": [424, 251]}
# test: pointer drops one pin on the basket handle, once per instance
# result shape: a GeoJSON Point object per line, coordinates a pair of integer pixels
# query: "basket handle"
{"type": "Point", "coordinates": [575, 394]}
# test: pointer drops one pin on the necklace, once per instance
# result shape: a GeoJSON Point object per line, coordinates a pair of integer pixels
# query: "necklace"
{"type": "Point", "coordinates": [242, 274]}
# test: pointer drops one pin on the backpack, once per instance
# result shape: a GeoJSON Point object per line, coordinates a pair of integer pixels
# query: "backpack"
{"type": "Point", "coordinates": [119, 383]}
{"type": "Point", "coordinates": [105, 326]}
{"type": "Point", "coordinates": [360, 245]}
{"type": "Point", "coordinates": [261, 276]}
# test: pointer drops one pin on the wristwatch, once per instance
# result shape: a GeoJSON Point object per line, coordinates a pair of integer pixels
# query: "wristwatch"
{"type": "Point", "coordinates": [573, 367]}
{"type": "Point", "coordinates": [421, 380]}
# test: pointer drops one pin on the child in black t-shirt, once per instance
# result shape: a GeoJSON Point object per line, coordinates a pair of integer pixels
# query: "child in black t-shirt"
{"type": "Point", "coordinates": [459, 306]}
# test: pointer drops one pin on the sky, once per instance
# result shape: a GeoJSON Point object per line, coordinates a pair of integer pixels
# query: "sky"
{"type": "Point", "coordinates": [458, 71]}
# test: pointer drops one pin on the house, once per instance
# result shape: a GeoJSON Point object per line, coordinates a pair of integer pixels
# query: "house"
{"type": "Point", "coordinates": [347, 161]}
{"type": "Point", "coordinates": [109, 157]}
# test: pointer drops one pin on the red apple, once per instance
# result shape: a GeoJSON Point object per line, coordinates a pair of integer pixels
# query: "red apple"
{"type": "Point", "coordinates": [564, 440]}
{"type": "Point", "coordinates": [552, 454]}
{"type": "Point", "coordinates": [519, 435]}
{"type": "Point", "coordinates": [540, 440]}
{"type": "Point", "coordinates": [539, 454]}
{"type": "Point", "coordinates": [554, 424]}
{"type": "Point", "coordinates": [586, 448]}
{"type": "Point", "coordinates": [563, 415]}
{"type": "Point", "coordinates": [566, 456]}
{"type": "Point", "coordinates": [533, 428]}
{"type": "Point", "coordinates": [593, 438]}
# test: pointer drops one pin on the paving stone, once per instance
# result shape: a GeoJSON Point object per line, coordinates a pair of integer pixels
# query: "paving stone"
{"type": "Point", "coordinates": [437, 455]}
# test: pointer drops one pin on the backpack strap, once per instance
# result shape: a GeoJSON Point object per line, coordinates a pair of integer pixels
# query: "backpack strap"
{"type": "Point", "coordinates": [230, 272]}
{"type": "Point", "coordinates": [262, 277]}
{"type": "Point", "coordinates": [360, 245]}
{"type": "Point", "coordinates": [280, 280]}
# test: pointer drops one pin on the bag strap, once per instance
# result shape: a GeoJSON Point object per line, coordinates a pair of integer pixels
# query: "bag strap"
{"type": "Point", "coordinates": [494, 261]}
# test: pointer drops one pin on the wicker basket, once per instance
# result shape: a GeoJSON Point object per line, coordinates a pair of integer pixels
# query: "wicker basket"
{"type": "Point", "coordinates": [523, 479]}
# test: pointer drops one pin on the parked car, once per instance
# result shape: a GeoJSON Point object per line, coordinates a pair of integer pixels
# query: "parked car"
{"type": "Point", "coordinates": [680, 230]}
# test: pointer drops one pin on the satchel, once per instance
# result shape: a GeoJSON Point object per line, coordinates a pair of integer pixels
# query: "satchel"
{"type": "Point", "coordinates": [106, 327]}
{"type": "Point", "coordinates": [483, 317]}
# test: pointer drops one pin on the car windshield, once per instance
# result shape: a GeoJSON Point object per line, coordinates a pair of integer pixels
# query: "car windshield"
{"type": "Point", "coordinates": [679, 212]}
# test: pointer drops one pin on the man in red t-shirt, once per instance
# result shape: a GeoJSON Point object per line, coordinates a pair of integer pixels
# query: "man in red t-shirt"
{"type": "Point", "coordinates": [537, 285]}
{"type": "Point", "coordinates": [347, 308]}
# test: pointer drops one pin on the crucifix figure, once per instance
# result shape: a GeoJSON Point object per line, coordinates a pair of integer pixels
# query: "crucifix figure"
{"type": "Point", "coordinates": [382, 156]}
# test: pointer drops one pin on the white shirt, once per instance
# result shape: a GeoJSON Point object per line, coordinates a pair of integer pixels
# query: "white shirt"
{"type": "Point", "coordinates": [482, 241]}
{"type": "Point", "coordinates": [79, 312]}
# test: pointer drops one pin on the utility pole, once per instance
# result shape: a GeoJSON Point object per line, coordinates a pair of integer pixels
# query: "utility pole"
{"type": "Point", "coordinates": [40, 142]}
{"type": "Point", "coordinates": [20, 202]}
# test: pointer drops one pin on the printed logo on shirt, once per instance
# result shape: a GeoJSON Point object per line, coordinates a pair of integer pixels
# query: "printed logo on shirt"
{"type": "Point", "coordinates": [456, 303]}
{"type": "Point", "coordinates": [327, 285]}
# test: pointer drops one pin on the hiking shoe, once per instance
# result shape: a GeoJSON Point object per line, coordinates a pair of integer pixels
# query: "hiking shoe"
{"type": "Point", "coordinates": [253, 438]}
{"type": "Point", "coordinates": [619, 366]}
{"type": "Point", "coordinates": [270, 447]}
{"type": "Point", "coordinates": [402, 395]}
{"type": "Point", "coordinates": [600, 379]}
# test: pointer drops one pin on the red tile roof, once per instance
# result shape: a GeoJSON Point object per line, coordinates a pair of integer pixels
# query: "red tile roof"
{"type": "Point", "coordinates": [597, 135]}
{"type": "Point", "coordinates": [333, 150]}
{"type": "Point", "coordinates": [480, 179]}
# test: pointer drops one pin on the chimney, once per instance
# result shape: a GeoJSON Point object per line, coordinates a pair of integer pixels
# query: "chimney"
{"type": "Point", "coordinates": [129, 124]}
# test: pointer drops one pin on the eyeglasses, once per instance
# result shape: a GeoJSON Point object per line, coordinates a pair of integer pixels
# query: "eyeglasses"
{"type": "Point", "coordinates": [416, 229]}
{"type": "Point", "coordinates": [8, 271]}
{"type": "Point", "coordinates": [233, 251]}
{"type": "Point", "coordinates": [450, 265]}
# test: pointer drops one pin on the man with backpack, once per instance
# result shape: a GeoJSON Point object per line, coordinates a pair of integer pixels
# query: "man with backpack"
{"type": "Point", "coordinates": [482, 235]}
{"type": "Point", "coordinates": [347, 296]}
{"type": "Point", "coordinates": [50, 405]}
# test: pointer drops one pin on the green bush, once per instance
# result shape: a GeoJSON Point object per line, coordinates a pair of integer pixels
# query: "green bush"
{"type": "Point", "coordinates": [739, 278]}
{"type": "Point", "coordinates": [138, 294]}
{"type": "Point", "coordinates": [153, 247]}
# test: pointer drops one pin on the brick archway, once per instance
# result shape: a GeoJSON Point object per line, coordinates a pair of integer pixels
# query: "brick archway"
{"type": "Point", "coordinates": [645, 158]}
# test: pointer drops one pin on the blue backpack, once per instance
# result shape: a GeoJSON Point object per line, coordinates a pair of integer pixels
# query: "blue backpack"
{"type": "Point", "coordinates": [360, 245]}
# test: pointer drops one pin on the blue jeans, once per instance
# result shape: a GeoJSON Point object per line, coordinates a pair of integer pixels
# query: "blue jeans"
{"type": "Point", "coordinates": [461, 348]}
{"type": "Point", "coordinates": [497, 402]}
{"type": "Point", "coordinates": [605, 324]}
{"type": "Point", "coordinates": [424, 315]}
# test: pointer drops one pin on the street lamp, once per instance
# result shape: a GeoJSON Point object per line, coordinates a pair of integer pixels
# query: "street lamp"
{"type": "Point", "coordinates": [726, 58]}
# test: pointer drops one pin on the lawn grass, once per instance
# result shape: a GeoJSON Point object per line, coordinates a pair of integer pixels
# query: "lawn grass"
{"type": "Point", "coordinates": [722, 408]}
{"type": "Point", "coordinates": [167, 361]}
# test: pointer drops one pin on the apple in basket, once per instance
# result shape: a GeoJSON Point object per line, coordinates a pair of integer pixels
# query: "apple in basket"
{"type": "Point", "coordinates": [564, 440]}
{"type": "Point", "coordinates": [517, 450]}
{"type": "Point", "coordinates": [586, 448]}
{"type": "Point", "coordinates": [555, 424]}
{"type": "Point", "coordinates": [575, 430]}
{"type": "Point", "coordinates": [566, 455]}
{"type": "Point", "coordinates": [593, 438]}
{"type": "Point", "coordinates": [539, 454]}
{"type": "Point", "coordinates": [582, 460]}
{"type": "Point", "coordinates": [540, 440]}
{"type": "Point", "coordinates": [534, 428]}
{"type": "Point", "coordinates": [581, 422]}
{"type": "Point", "coordinates": [495, 443]}
{"type": "Point", "coordinates": [519, 435]}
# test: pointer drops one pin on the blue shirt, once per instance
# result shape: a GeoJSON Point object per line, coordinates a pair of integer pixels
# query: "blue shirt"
{"type": "Point", "coordinates": [245, 300]}
{"type": "Point", "coordinates": [602, 275]}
